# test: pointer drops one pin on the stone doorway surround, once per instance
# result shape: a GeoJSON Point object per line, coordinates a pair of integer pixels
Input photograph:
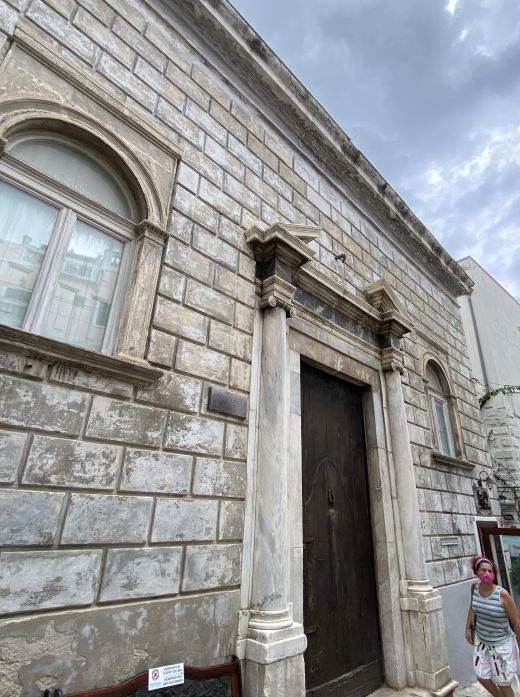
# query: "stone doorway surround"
{"type": "Point", "coordinates": [304, 316]}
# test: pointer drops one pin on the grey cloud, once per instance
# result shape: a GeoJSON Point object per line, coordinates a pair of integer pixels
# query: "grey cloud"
{"type": "Point", "coordinates": [415, 93]}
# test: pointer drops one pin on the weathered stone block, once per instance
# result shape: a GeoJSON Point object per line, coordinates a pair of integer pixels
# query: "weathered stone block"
{"type": "Point", "coordinates": [206, 122]}
{"type": "Point", "coordinates": [125, 422]}
{"type": "Point", "coordinates": [100, 519]}
{"type": "Point", "coordinates": [29, 517]}
{"type": "Point", "coordinates": [153, 472]}
{"type": "Point", "coordinates": [61, 462]}
{"type": "Point", "coordinates": [212, 566]}
{"type": "Point", "coordinates": [180, 520]}
{"type": "Point", "coordinates": [239, 288]}
{"type": "Point", "coordinates": [208, 79]}
{"type": "Point", "coordinates": [18, 363]}
{"type": "Point", "coordinates": [224, 158]}
{"type": "Point", "coordinates": [90, 27]}
{"type": "Point", "coordinates": [236, 442]}
{"type": "Point", "coordinates": [187, 85]}
{"type": "Point", "coordinates": [194, 434]}
{"type": "Point", "coordinates": [203, 362]}
{"type": "Point", "coordinates": [223, 338]}
{"type": "Point", "coordinates": [202, 164]}
{"type": "Point", "coordinates": [161, 348]}
{"type": "Point", "coordinates": [59, 27]}
{"type": "Point", "coordinates": [209, 301]}
{"type": "Point", "coordinates": [240, 375]}
{"type": "Point", "coordinates": [185, 128]}
{"type": "Point", "coordinates": [173, 391]}
{"type": "Point", "coordinates": [245, 155]}
{"type": "Point", "coordinates": [172, 284]}
{"type": "Point", "coordinates": [170, 625]}
{"type": "Point", "coordinates": [91, 381]}
{"type": "Point", "coordinates": [130, 36]}
{"type": "Point", "coordinates": [197, 210]}
{"type": "Point", "coordinates": [131, 85]}
{"type": "Point", "coordinates": [219, 478]}
{"type": "Point", "coordinates": [189, 261]}
{"type": "Point", "coordinates": [219, 250]}
{"type": "Point", "coordinates": [220, 201]}
{"type": "Point", "coordinates": [228, 121]}
{"type": "Point", "coordinates": [140, 573]}
{"type": "Point", "coordinates": [231, 522]}
{"type": "Point", "coordinates": [242, 195]}
{"type": "Point", "coordinates": [188, 177]}
{"type": "Point", "coordinates": [156, 80]}
{"type": "Point", "coordinates": [244, 316]}
{"type": "Point", "coordinates": [180, 320]}
{"type": "Point", "coordinates": [267, 157]}
{"type": "Point", "coordinates": [279, 147]}
{"type": "Point", "coordinates": [11, 447]}
{"type": "Point", "coordinates": [257, 185]}
{"type": "Point", "coordinates": [42, 580]}
{"type": "Point", "coordinates": [37, 405]}
{"type": "Point", "coordinates": [8, 18]}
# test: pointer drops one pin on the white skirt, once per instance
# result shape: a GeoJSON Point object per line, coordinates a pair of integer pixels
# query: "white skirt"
{"type": "Point", "coordinates": [499, 663]}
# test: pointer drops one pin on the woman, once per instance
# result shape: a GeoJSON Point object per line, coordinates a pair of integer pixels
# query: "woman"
{"type": "Point", "coordinates": [495, 648]}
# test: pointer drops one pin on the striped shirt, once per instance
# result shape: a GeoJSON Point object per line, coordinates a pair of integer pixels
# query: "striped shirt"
{"type": "Point", "coordinates": [491, 621]}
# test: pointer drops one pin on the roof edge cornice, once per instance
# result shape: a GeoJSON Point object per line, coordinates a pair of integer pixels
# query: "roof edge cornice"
{"type": "Point", "coordinates": [235, 41]}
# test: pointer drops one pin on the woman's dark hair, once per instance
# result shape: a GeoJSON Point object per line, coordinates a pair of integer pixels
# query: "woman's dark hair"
{"type": "Point", "coordinates": [478, 560]}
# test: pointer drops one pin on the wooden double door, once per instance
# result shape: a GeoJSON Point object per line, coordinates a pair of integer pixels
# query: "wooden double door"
{"type": "Point", "coordinates": [343, 656]}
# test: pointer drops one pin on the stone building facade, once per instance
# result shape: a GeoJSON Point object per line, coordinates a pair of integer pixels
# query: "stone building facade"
{"type": "Point", "coordinates": [151, 483]}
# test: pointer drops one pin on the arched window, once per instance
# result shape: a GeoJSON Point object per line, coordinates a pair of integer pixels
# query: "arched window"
{"type": "Point", "coordinates": [440, 399]}
{"type": "Point", "coordinates": [67, 222]}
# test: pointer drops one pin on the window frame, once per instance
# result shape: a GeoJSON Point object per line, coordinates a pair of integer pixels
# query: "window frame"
{"type": "Point", "coordinates": [72, 206]}
{"type": "Point", "coordinates": [440, 399]}
{"type": "Point", "coordinates": [449, 407]}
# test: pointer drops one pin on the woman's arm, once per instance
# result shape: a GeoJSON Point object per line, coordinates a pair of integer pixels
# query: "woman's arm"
{"type": "Point", "coordinates": [512, 612]}
{"type": "Point", "coordinates": [469, 625]}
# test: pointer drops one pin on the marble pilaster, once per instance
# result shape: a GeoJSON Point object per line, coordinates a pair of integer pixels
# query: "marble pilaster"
{"type": "Point", "coordinates": [275, 643]}
{"type": "Point", "coordinates": [421, 604]}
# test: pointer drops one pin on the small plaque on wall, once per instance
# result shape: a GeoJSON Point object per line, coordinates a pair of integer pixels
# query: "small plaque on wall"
{"type": "Point", "coordinates": [226, 402]}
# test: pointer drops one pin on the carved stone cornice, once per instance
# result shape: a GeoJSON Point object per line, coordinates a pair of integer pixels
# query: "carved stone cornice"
{"type": "Point", "coordinates": [154, 233]}
{"type": "Point", "coordinates": [392, 359]}
{"type": "Point", "coordinates": [275, 292]}
{"type": "Point", "coordinates": [394, 319]}
{"type": "Point", "coordinates": [288, 243]}
{"type": "Point", "coordinates": [280, 251]}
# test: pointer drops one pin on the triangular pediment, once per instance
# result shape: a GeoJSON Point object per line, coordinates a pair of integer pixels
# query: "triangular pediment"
{"type": "Point", "coordinates": [382, 298]}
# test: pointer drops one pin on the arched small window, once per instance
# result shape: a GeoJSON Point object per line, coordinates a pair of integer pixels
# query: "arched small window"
{"type": "Point", "coordinates": [67, 222]}
{"type": "Point", "coordinates": [439, 398]}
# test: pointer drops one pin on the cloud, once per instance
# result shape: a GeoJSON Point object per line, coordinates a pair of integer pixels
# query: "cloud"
{"type": "Point", "coordinates": [430, 94]}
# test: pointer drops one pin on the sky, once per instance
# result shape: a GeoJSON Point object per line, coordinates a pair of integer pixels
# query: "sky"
{"type": "Point", "coordinates": [429, 91]}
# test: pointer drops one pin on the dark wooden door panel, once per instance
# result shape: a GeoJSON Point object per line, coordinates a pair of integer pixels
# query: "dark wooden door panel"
{"type": "Point", "coordinates": [343, 657]}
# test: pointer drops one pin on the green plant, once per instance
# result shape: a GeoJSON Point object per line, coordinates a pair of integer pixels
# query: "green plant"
{"type": "Point", "coordinates": [505, 389]}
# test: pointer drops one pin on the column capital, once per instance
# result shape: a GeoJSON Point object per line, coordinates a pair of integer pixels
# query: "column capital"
{"type": "Point", "coordinates": [275, 292]}
{"type": "Point", "coordinates": [279, 251]}
{"type": "Point", "coordinates": [392, 359]}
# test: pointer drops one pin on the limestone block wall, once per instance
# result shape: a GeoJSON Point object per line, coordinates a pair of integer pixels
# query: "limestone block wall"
{"type": "Point", "coordinates": [128, 502]}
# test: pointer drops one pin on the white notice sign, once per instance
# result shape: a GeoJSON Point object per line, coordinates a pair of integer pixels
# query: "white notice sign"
{"type": "Point", "coordinates": [165, 676]}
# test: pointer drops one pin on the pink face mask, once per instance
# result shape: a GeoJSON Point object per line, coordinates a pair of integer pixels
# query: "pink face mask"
{"type": "Point", "coordinates": [486, 576]}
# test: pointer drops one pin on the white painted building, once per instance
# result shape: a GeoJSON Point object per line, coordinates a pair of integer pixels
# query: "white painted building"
{"type": "Point", "coordinates": [491, 318]}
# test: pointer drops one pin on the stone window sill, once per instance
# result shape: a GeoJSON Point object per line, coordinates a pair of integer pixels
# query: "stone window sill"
{"type": "Point", "coordinates": [440, 459]}
{"type": "Point", "coordinates": [126, 368]}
